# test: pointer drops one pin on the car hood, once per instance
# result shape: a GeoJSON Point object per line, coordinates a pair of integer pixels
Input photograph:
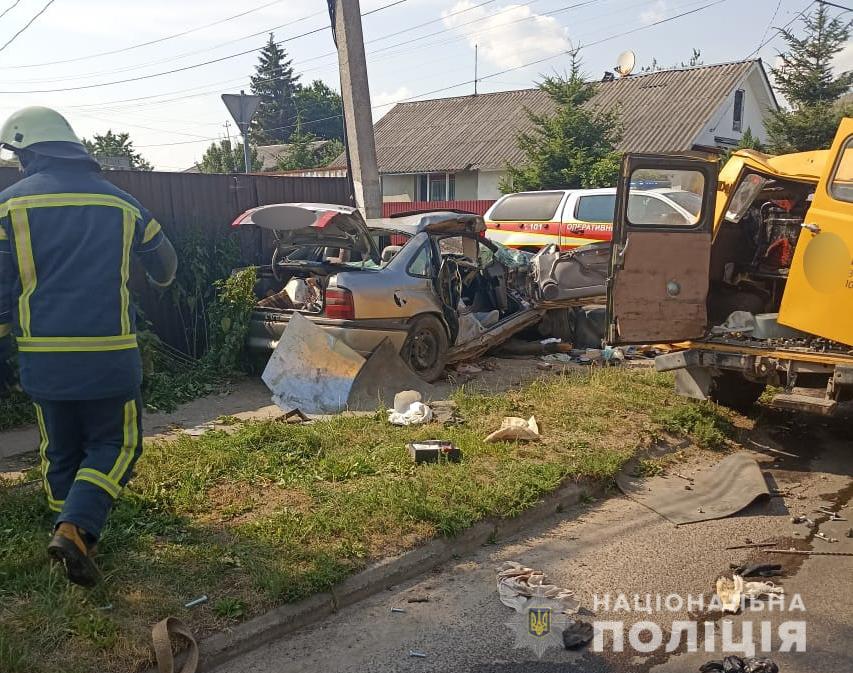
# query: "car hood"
{"type": "Point", "coordinates": [298, 225]}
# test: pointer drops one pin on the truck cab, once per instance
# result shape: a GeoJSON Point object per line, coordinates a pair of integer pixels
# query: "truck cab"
{"type": "Point", "coordinates": [756, 289]}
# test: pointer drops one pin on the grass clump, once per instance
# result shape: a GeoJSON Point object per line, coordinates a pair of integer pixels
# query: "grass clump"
{"type": "Point", "coordinates": [704, 423]}
{"type": "Point", "coordinates": [275, 512]}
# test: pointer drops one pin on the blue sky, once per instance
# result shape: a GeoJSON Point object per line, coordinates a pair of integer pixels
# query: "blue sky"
{"type": "Point", "coordinates": [179, 113]}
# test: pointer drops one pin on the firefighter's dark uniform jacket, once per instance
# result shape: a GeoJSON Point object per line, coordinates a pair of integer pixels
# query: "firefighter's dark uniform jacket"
{"type": "Point", "coordinates": [67, 239]}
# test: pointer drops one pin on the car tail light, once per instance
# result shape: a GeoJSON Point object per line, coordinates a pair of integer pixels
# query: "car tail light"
{"type": "Point", "coordinates": [339, 304]}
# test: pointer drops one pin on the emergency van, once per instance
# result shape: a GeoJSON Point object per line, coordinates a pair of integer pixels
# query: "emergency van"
{"type": "Point", "coordinates": [570, 218]}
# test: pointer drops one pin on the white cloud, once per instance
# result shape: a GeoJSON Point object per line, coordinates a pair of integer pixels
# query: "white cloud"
{"type": "Point", "coordinates": [385, 100]}
{"type": "Point", "coordinates": [510, 37]}
{"type": "Point", "coordinates": [654, 13]}
{"type": "Point", "coordinates": [844, 59]}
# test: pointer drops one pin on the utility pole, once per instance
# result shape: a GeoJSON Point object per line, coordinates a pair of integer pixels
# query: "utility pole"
{"type": "Point", "coordinates": [358, 116]}
{"type": "Point", "coordinates": [476, 48]}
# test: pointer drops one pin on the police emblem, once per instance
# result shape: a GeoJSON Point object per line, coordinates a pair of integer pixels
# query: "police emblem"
{"type": "Point", "coordinates": [539, 622]}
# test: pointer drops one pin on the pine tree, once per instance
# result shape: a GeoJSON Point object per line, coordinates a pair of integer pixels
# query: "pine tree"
{"type": "Point", "coordinates": [276, 83]}
{"type": "Point", "coordinates": [806, 78]}
{"type": "Point", "coordinates": [573, 148]}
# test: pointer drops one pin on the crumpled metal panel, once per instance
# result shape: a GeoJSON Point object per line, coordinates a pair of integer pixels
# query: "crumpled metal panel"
{"type": "Point", "coordinates": [311, 370]}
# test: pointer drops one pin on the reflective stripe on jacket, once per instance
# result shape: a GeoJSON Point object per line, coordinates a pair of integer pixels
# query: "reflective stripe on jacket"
{"type": "Point", "coordinates": [70, 235]}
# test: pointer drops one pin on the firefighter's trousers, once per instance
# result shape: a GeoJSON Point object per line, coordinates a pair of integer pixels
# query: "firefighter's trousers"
{"type": "Point", "coordinates": [88, 450]}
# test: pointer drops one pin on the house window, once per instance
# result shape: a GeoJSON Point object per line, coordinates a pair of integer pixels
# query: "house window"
{"type": "Point", "coordinates": [436, 187]}
{"type": "Point", "coordinates": [737, 115]}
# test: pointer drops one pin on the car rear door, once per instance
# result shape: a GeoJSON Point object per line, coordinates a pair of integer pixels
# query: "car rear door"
{"type": "Point", "coordinates": [818, 297]}
{"type": "Point", "coordinates": [658, 283]}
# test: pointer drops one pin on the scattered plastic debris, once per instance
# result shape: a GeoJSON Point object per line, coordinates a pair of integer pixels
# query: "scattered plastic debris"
{"type": "Point", "coordinates": [409, 410]}
{"type": "Point", "coordinates": [732, 591]}
{"type": "Point", "coordinates": [434, 451]}
{"type": "Point", "coordinates": [400, 610]}
{"type": "Point", "coordinates": [517, 584]}
{"type": "Point", "coordinates": [415, 653]}
{"type": "Point", "coordinates": [201, 600]}
{"type": "Point", "coordinates": [734, 664]}
{"type": "Point", "coordinates": [516, 429]}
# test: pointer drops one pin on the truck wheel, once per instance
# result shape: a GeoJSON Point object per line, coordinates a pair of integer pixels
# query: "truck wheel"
{"type": "Point", "coordinates": [425, 349]}
{"type": "Point", "coordinates": [734, 391]}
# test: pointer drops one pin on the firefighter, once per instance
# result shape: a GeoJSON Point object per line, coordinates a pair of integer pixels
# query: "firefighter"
{"type": "Point", "coordinates": [67, 239]}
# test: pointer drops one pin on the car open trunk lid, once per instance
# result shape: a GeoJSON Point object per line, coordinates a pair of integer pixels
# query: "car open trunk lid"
{"type": "Point", "coordinates": [298, 225]}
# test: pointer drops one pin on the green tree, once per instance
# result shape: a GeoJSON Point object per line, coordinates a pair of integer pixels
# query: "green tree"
{"type": "Point", "coordinates": [276, 83]}
{"type": "Point", "coordinates": [321, 110]}
{"type": "Point", "coordinates": [692, 62]}
{"type": "Point", "coordinates": [747, 142]}
{"type": "Point", "coordinates": [305, 150]}
{"type": "Point", "coordinates": [574, 147]}
{"type": "Point", "coordinates": [221, 157]}
{"type": "Point", "coordinates": [111, 145]}
{"type": "Point", "coordinates": [806, 79]}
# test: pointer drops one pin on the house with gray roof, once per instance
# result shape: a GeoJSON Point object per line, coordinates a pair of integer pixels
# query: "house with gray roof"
{"type": "Point", "coordinates": [458, 148]}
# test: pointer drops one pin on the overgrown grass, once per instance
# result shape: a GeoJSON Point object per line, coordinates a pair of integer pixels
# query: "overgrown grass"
{"type": "Point", "coordinates": [276, 512]}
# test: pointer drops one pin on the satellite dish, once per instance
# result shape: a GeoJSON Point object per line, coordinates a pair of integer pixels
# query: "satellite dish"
{"type": "Point", "coordinates": [625, 63]}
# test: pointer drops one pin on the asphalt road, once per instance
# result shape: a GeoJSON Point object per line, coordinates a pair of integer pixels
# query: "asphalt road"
{"type": "Point", "coordinates": [614, 546]}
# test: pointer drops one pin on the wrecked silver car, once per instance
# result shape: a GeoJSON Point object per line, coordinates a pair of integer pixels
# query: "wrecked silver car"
{"type": "Point", "coordinates": [430, 283]}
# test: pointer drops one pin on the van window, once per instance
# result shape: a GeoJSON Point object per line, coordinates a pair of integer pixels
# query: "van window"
{"type": "Point", "coordinates": [596, 208]}
{"type": "Point", "coordinates": [532, 206]}
{"type": "Point", "coordinates": [841, 186]}
{"type": "Point", "coordinates": [648, 209]}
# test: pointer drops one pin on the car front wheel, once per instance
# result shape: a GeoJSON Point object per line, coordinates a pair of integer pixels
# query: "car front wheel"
{"type": "Point", "coordinates": [425, 349]}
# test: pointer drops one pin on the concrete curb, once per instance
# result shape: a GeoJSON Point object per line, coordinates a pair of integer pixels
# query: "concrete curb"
{"type": "Point", "coordinates": [226, 645]}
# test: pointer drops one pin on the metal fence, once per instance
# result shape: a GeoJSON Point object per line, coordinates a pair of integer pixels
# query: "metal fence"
{"type": "Point", "coordinates": [209, 203]}
{"type": "Point", "coordinates": [477, 207]}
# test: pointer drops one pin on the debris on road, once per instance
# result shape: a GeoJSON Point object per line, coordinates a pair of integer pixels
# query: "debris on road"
{"type": "Point", "coordinates": [577, 634]}
{"type": "Point", "coordinates": [434, 451]}
{"type": "Point", "coordinates": [732, 590]}
{"type": "Point", "coordinates": [734, 664]}
{"type": "Point", "coordinates": [808, 552]}
{"type": "Point", "coordinates": [517, 584]}
{"type": "Point", "coordinates": [398, 610]}
{"type": "Point", "coordinates": [313, 371]}
{"type": "Point", "coordinates": [415, 653]}
{"type": "Point", "coordinates": [823, 536]}
{"type": "Point", "coordinates": [420, 598]}
{"type": "Point", "coordinates": [724, 489]}
{"type": "Point", "coordinates": [516, 429]}
{"type": "Point", "coordinates": [409, 409]}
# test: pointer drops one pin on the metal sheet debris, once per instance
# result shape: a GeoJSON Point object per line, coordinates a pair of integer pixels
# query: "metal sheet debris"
{"type": "Point", "coordinates": [717, 492]}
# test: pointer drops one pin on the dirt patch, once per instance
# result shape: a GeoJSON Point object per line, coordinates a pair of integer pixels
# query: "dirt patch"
{"type": "Point", "coordinates": [235, 503]}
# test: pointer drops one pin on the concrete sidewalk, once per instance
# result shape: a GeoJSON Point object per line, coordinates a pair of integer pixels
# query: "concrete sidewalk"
{"type": "Point", "coordinates": [247, 397]}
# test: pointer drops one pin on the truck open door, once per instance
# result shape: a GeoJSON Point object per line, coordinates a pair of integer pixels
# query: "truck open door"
{"type": "Point", "coordinates": [818, 297]}
{"type": "Point", "coordinates": [659, 266]}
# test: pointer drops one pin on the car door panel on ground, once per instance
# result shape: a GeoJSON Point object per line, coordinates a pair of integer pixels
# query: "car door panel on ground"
{"type": "Point", "coordinates": [820, 283]}
{"type": "Point", "coordinates": [658, 284]}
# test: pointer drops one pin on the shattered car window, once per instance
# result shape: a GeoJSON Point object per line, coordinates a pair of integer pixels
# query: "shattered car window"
{"type": "Point", "coordinates": [743, 197]}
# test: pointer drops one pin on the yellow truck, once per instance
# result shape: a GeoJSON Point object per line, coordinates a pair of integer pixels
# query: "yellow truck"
{"type": "Point", "coordinates": [756, 289]}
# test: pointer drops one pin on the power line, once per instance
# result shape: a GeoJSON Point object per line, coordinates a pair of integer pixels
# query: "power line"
{"type": "Point", "coordinates": [832, 4]}
{"type": "Point", "coordinates": [183, 68]}
{"type": "Point", "coordinates": [490, 76]}
{"type": "Point", "coordinates": [157, 41]}
{"type": "Point", "coordinates": [370, 53]}
{"type": "Point", "coordinates": [10, 8]}
{"type": "Point", "coordinates": [27, 24]}
{"type": "Point", "coordinates": [764, 43]}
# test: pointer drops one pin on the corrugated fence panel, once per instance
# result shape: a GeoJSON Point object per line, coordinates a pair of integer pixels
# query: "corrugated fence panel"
{"type": "Point", "coordinates": [478, 207]}
{"type": "Point", "coordinates": [185, 201]}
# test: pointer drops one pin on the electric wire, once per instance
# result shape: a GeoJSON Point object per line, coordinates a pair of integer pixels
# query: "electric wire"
{"type": "Point", "coordinates": [27, 24]}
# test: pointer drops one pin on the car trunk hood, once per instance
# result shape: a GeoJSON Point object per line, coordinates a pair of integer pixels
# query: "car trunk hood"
{"type": "Point", "coordinates": [298, 225]}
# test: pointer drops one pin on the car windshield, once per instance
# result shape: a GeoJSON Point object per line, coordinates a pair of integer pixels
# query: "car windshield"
{"type": "Point", "coordinates": [691, 202]}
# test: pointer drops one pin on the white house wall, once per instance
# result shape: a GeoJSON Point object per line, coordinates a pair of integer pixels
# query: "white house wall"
{"type": "Point", "coordinates": [757, 103]}
{"type": "Point", "coordinates": [487, 184]}
{"type": "Point", "coordinates": [466, 185]}
{"type": "Point", "coordinates": [398, 187]}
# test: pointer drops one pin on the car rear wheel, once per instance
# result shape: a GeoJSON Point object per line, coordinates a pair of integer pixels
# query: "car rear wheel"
{"type": "Point", "coordinates": [733, 390]}
{"type": "Point", "coordinates": [425, 349]}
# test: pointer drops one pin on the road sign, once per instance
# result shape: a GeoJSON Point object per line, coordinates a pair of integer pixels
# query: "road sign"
{"type": "Point", "coordinates": [241, 106]}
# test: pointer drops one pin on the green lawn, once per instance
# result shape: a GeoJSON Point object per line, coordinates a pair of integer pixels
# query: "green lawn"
{"type": "Point", "coordinates": [276, 512]}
